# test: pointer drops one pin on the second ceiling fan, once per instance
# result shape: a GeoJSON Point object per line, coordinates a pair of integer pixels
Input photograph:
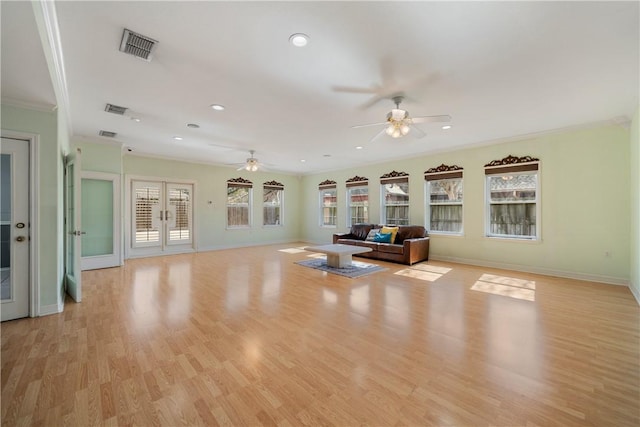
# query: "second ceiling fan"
{"type": "Point", "coordinates": [399, 123]}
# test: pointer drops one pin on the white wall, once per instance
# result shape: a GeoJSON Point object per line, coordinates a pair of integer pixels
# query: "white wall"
{"type": "Point", "coordinates": [584, 198]}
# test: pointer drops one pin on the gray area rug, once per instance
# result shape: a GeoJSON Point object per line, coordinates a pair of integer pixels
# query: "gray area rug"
{"type": "Point", "coordinates": [357, 269]}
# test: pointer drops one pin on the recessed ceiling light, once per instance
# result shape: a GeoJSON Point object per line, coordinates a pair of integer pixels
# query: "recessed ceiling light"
{"type": "Point", "coordinates": [299, 39]}
{"type": "Point", "coordinates": [177, 138]}
{"type": "Point", "coordinates": [445, 127]}
{"type": "Point", "coordinates": [359, 147]}
{"type": "Point", "coordinates": [136, 119]}
{"type": "Point", "coordinates": [217, 107]}
{"type": "Point", "coordinates": [303, 160]}
{"type": "Point", "coordinates": [193, 125]}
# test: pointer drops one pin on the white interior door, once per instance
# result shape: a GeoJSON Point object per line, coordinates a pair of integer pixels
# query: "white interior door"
{"type": "Point", "coordinates": [14, 216]}
{"type": "Point", "coordinates": [73, 224]}
{"type": "Point", "coordinates": [100, 202]}
{"type": "Point", "coordinates": [161, 217]}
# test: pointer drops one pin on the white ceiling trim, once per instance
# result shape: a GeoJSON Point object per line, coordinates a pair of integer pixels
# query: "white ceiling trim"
{"type": "Point", "coordinates": [47, 23]}
{"type": "Point", "coordinates": [43, 107]}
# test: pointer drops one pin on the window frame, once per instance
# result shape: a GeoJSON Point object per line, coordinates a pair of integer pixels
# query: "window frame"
{"type": "Point", "coordinates": [270, 187]}
{"type": "Point", "coordinates": [322, 207]}
{"type": "Point", "coordinates": [390, 179]}
{"type": "Point", "coordinates": [513, 166]}
{"type": "Point", "coordinates": [429, 204]}
{"type": "Point", "coordinates": [355, 186]}
{"type": "Point", "coordinates": [240, 183]}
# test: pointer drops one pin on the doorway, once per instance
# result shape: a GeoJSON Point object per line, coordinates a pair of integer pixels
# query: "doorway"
{"type": "Point", "coordinates": [101, 214]}
{"type": "Point", "coordinates": [161, 218]}
{"type": "Point", "coordinates": [15, 228]}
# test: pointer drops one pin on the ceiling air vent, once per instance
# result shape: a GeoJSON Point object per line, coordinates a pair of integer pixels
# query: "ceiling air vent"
{"type": "Point", "coordinates": [137, 45]}
{"type": "Point", "coordinates": [115, 109]}
{"type": "Point", "coordinates": [107, 134]}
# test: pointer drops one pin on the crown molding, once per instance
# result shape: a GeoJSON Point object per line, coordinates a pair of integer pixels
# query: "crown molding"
{"type": "Point", "coordinates": [47, 23]}
{"type": "Point", "coordinates": [29, 105]}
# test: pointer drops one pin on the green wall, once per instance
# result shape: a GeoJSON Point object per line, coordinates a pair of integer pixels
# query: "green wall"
{"type": "Point", "coordinates": [100, 157]}
{"type": "Point", "coordinates": [584, 200]}
{"type": "Point", "coordinates": [50, 269]}
{"type": "Point", "coordinates": [635, 205]}
{"type": "Point", "coordinates": [210, 219]}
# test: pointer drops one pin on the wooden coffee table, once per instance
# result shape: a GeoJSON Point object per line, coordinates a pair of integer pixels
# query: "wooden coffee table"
{"type": "Point", "coordinates": [338, 256]}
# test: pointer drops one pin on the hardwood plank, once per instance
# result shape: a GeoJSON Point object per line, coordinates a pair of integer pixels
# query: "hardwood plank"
{"type": "Point", "coordinates": [248, 337]}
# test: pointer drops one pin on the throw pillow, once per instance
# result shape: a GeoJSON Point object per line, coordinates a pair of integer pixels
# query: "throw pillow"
{"type": "Point", "coordinates": [382, 238]}
{"type": "Point", "coordinates": [372, 234]}
{"type": "Point", "coordinates": [392, 230]}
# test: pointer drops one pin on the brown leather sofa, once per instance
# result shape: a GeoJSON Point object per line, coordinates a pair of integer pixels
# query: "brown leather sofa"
{"type": "Point", "coordinates": [411, 244]}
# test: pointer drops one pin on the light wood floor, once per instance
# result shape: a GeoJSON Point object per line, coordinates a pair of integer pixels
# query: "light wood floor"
{"type": "Point", "coordinates": [247, 337]}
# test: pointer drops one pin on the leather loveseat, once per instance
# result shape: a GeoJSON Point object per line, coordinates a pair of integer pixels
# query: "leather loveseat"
{"type": "Point", "coordinates": [411, 243]}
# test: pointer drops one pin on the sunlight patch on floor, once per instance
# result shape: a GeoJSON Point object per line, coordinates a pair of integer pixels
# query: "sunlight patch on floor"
{"type": "Point", "coordinates": [426, 272]}
{"type": "Point", "coordinates": [506, 286]}
{"type": "Point", "coordinates": [293, 250]}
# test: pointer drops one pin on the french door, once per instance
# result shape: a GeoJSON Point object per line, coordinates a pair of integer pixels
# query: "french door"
{"type": "Point", "coordinates": [161, 217]}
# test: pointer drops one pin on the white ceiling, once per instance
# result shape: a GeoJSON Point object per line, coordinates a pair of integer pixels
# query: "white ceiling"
{"type": "Point", "coordinates": [500, 69]}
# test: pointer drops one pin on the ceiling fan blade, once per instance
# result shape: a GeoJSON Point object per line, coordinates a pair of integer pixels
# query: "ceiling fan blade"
{"type": "Point", "coordinates": [416, 132]}
{"type": "Point", "coordinates": [369, 90]}
{"type": "Point", "coordinates": [367, 125]}
{"type": "Point", "coordinates": [431, 119]}
{"type": "Point", "coordinates": [377, 135]}
{"type": "Point", "coordinates": [241, 167]}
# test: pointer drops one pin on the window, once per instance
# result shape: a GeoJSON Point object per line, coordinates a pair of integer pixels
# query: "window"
{"type": "Point", "coordinates": [273, 192]}
{"type": "Point", "coordinates": [357, 201]}
{"type": "Point", "coordinates": [512, 189]}
{"type": "Point", "coordinates": [239, 194]}
{"type": "Point", "coordinates": [444, 199]}
{"type": "Point", "coordinates": [395, 198]}
{"type": "Point", "coordinates": [328, 203]}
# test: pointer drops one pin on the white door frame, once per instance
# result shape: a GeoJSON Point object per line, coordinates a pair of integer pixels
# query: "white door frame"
{"type": "Point", "coordinates": [127, 215]}
{"type": "Point", "coordinates": [100, 261]}
{"type": "Point", "coordinates": [34, 218]}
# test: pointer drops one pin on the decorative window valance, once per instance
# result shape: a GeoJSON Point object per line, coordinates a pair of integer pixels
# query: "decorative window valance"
{"type": "Point", "coordinates": [327, 184]}
{"type": "Point", "coordinates": [511, 164]}
{"type": "Point", "coordinates": [394, 177]}
{"type": "Point", "coordinates": [443, 172]}
{"type": "Point", "coordinates": [273, 185]}
{"type": "Point", "coordinates": [239, 182]}
{"type": "Point", "coordinates": [357, 181]}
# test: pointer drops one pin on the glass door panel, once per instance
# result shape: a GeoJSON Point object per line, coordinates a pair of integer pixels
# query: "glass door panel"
{"type": "Point", "coordinates": [97, 217]}
{"type": "Point", "coordinates": [179, 213]}
{"type": "Point", "coordinates": [148, 214]}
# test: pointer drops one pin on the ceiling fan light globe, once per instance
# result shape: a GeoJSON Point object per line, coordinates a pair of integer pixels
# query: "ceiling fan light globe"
{"type": "Point", "coordinates": [389, 130]}
{"type": "Point", "coordinates": [396, 133]}
{"type": "Point", "coordinates": [404, 129]}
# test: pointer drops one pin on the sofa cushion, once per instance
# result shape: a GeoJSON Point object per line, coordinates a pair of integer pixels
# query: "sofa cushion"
{"type": "Point", "coordinates": [353, 242]}
{"type": "Point", "coordinates": [382, 238]}
{"type": "Point", "coordinates": [360, 231]}
{"type": "Point", "coordinates": [372, 234]}
{"type": "Point", "coordinates": [391, 249]}
{"type": "Point", "coordinates": [392, 230]}
{"type": "Point", "coordinates": [409, 232]}
{"type": "Point", "coordinates": [372, 245]}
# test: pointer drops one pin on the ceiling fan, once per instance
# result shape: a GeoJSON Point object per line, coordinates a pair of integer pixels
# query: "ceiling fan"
{"type": "Point", "coordinates": [399, 123]}
{"type": "Point", "coordinates": [252, 164]}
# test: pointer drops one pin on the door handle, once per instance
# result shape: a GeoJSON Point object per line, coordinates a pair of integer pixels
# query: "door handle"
{"type": "Point", "coordinates": [161, 218]}
{"type": "Point", "coordinates": [20, 239]}
{"type": "Point", "coordinates": [20, 225]}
